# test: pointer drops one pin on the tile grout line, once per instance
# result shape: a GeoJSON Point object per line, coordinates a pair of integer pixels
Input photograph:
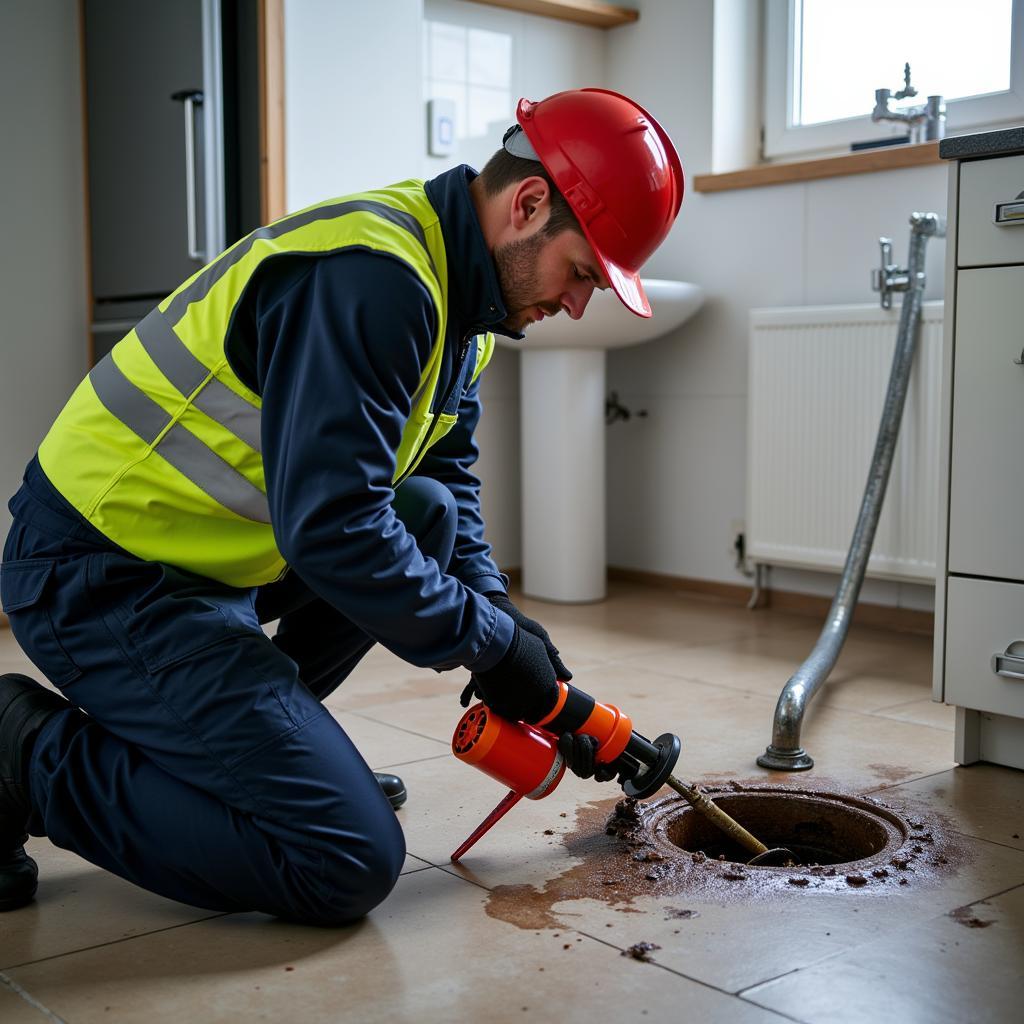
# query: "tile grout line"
{"type": "Point", "coordinates": [404, 764]}
{"type": "Point", "coordinates": [113, 942]}
{"type": "Point", "coordinates": [956, 831]}
{"type": "Point", "coordinates": [991, 842]}
{"type": "Point", "coordinates": [742, 993]}
{"type": "Point", "coordinates": [904, 703]}
{"type": "Point", "coordinates": [905, 782]}
{"type": "Point", "coordinates": [391, 725]}
{"type": "Point", "coordinates": [611, 945]}
{"type": "Point", "coordinates": [678, 974]}
{"type": "Point", "coordinates": [605, 942]}
{"type": "Point", "coordinates": [761, 1006]}
{"type": "Point", "coordinates": [30, 999]}
{"type": "Point", "coordinates": [758, 693]}
{"type": "Point", "coordinates": [992, 896]}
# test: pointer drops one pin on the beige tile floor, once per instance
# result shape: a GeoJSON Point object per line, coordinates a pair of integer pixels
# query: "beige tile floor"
{"type": "Point", "coordinates": [95, 948]}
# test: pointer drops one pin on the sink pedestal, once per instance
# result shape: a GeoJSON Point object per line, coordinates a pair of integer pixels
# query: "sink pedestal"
{"type": "Point", "coordinates": [563, 433]}
{"type": "Point", "coordinates": [563, 444]}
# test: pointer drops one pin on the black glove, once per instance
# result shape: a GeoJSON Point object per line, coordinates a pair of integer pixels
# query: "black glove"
{"type": "Point", "coordinates": [522, 686]}
{"type": "Point", "coordinates": [579, 751]}
{"type": "Point", "coordinates": [500, 601]}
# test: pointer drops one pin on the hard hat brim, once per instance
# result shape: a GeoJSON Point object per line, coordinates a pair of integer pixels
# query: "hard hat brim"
{"type": "Point", "coordinates": [626, 285]}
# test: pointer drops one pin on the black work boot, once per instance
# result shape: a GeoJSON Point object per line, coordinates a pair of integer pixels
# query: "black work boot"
{"type": "Point", "coordinates": [394, 788]}
{"type": "Point", "coordinates": [25, 707]}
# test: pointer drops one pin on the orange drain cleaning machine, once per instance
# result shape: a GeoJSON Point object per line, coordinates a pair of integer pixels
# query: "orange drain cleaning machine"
{"type": "Point", "coordinates": [526, 757]}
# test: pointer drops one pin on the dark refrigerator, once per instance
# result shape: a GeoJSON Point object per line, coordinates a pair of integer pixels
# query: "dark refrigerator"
{"type": "Point", "coordinates": [172, 122]}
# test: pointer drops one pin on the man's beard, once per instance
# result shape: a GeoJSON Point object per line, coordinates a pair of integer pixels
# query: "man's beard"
{"type": "Point", "coordinates": [516, 263]}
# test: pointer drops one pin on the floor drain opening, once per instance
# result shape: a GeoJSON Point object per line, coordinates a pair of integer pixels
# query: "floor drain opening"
{"type": "Point", "coordinates": [821, 829]}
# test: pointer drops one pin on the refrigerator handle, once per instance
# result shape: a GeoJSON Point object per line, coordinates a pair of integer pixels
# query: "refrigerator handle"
{"type": "Point", "coordinates": [190, 99]}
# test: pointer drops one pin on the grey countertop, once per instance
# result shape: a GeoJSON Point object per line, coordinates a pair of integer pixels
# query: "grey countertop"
{"type": "Point", "coordinates": [966, 147]}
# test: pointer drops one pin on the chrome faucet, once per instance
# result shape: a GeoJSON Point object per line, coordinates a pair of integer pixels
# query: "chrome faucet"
{"type": "Point", "coordinates": [926, 122]}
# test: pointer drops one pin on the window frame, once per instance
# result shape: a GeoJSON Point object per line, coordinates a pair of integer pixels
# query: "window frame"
{"type": "Point", "coordinates": [784, 140]}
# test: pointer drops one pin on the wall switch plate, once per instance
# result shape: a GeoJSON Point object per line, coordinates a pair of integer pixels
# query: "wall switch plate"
{"type": "Point", "coordinates": [440, 127]}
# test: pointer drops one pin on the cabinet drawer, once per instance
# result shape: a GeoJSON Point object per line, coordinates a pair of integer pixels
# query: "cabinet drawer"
{"type": "Point", "coordinates": [986, 473]}
{"type": "Point", "coordinates": [983, 183]}
{"type": "Point", "coordinates": [984, 618]}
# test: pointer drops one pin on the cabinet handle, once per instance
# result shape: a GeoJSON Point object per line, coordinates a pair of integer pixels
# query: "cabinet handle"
{"type": "Point", "coordinates": [190, 99]}
{"type": "Point", "coordinates": [1009, 212]}
{"type": "Point", "coordinates": [1008, 665]}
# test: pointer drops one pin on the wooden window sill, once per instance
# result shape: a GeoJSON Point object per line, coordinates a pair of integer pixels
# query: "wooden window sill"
{"type": "Point", "coordinates": [584, 12]}
{"type": "Point", "coordinates": [917, 154]}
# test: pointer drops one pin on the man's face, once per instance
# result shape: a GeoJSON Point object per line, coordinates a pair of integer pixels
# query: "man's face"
{"type": "Point", "coordinates": [541, 276]}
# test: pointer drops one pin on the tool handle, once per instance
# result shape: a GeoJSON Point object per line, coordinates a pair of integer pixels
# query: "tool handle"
{"type": "Point", "coordinates": [578, 712]}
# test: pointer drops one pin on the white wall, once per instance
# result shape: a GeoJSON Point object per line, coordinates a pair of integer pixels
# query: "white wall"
{"type": "Point", "coordinates": [677, 478]}
{"type": "Point", "coordinates": [44, 321]}
{"type": "Point", "coordinates": [353, 76]}
{"type": "Point", "coordinates": [356, 118]}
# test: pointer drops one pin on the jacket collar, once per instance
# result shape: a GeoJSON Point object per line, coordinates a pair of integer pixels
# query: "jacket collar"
{"type": "Point", "coordinates": [475, 303]}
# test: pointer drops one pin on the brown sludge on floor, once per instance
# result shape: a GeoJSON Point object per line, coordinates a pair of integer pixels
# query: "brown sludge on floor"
{"type": "Point", "coordinates": [626, 850]}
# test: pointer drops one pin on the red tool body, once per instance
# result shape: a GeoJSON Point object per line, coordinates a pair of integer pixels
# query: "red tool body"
{"type": "Point", "coordinates": [526, 757]}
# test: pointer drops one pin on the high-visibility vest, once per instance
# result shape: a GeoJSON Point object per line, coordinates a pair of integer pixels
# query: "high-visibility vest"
{"type": "Point", "coordinates": [159, 446]}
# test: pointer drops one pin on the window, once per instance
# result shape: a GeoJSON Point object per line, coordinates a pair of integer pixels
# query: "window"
{"type": "Point", "coordinates": [825, 59]}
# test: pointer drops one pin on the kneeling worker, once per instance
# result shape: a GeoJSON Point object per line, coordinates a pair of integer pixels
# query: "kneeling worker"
{"type": "Point", "coordinates": [289, 436]}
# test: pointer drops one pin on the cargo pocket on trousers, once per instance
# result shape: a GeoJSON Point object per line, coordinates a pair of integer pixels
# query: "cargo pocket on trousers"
{"type": "Point", "coordinates": [23, 588]}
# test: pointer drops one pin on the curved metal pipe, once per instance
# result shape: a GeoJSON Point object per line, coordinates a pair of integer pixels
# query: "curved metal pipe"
{"type": "Point", "coordinates": [785, 753]}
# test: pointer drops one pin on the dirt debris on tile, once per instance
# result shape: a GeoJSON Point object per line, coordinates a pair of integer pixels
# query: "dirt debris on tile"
{"type": "Point", "coordinates": [641, 951]}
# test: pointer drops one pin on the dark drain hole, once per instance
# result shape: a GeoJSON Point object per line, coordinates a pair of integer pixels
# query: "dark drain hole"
{"type": "Point", "coordinates": [817, 831]}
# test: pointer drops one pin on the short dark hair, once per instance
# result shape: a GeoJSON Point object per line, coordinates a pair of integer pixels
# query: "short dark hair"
{"type": "Point", "coordinates": [504, 169]}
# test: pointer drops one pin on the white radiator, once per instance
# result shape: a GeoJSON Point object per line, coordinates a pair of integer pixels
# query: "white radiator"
{"type": "Point", "coordinates": [818, 377]}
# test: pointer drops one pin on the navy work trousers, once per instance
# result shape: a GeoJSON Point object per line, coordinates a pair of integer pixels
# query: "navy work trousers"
{"type": "Point", "coordinates": [205, 767]}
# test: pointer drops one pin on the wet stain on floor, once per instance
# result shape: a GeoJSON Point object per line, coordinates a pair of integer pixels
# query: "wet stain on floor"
{"type": "Point", "coordinates": [967, 917]}
{"type": "Point", "coordinates": [894, 773]}
{"type": "Point", "coordinates": [622, 855]}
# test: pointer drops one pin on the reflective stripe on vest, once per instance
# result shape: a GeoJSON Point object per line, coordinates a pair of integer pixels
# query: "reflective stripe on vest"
{"type": "Point", "coordinates": [159, 447]}
{"type": "Point", "coordinates": [182, 449]}
{"type": "Point", "coordinates": [188, 375]}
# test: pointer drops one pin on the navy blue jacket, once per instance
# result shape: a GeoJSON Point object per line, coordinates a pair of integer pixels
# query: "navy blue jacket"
{"type": "Point", "coordinates": [335, 345]}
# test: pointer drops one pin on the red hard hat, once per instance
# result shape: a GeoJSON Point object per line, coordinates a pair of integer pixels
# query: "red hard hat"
{"type": "Point", "coordinates": [619, 172]}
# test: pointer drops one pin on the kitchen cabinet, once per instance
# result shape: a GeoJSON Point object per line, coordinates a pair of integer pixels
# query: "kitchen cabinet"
{"type": "Point", "coordinates": [979, 624]}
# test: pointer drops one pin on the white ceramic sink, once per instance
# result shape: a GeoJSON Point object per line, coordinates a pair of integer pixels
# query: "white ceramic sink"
{"type": "Point", "coordinates": [563, 434]}
{"type": "Point", "coordinates": [608, 324]}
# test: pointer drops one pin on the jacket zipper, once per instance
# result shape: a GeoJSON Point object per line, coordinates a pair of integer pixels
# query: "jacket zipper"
{"type": "Point", "coordinates": [456, 377]}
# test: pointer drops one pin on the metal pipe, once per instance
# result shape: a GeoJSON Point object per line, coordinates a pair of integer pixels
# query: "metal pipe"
{"type": "Point", "coordinates": [785, 753]}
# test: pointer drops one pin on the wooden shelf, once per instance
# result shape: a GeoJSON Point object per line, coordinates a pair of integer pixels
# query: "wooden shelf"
{"type": "Point", "coordinates": [886, 159]}
{"type": "Point", "coordinates": [584, 12]}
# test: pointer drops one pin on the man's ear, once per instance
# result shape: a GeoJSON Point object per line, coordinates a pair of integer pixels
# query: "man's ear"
{"type": "Point", "coordinates": [531, 204]}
